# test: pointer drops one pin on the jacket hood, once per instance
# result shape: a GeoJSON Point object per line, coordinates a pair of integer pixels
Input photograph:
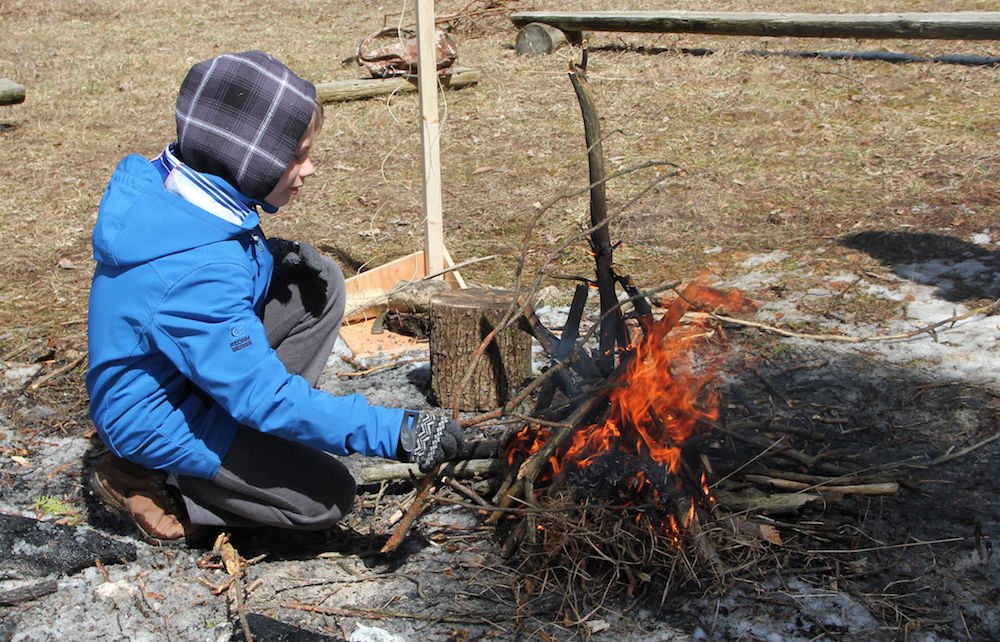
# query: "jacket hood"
{"type": "Point", "coordinates": [138, 220]}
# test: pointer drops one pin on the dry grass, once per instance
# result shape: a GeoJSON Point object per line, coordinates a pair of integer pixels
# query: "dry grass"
{"type": "Point", "coordinates": [776, 152]}
{"type": "Point", "coordinates": [586, 554]}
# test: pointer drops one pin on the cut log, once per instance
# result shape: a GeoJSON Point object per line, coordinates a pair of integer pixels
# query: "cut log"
{"type": "Point", "coordinates": [539, 38]}
{"type": "Point", "coordinates": [11, 93]}
{"type": "Point", "coordinates": [361, 88]}
{"type": "Point", "coordinates": [959, 25]}
{"type": "Point", "coordinates": [460, 321]}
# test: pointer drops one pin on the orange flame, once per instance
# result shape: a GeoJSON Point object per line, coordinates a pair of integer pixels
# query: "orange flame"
{"type": "Point", "coordinates": [659, 402]}
{"type": "Point", "coordinates": [525, 443]}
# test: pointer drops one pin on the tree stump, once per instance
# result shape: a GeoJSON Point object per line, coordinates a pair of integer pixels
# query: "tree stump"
{"type": "Point", "coordinates": [460, 320]}
{"type": "Point", "coordinates": [539, 38]}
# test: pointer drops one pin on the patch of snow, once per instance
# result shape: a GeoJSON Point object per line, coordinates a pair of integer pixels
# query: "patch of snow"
{"type": "Point", "coordinates": [18, 374]}
{"type": "Point", "coordinates": [373, 634]}
{"type": "Point", "coordinates": [754, 281]}
{"type": "Point", "coordinates": [981, 238]}
{"type": "Point", "coordinates": [765, 259]}
{"type": "Point", "coordinates": [27, 549]}
{"type": "Point", "coordinates": [115, 591]}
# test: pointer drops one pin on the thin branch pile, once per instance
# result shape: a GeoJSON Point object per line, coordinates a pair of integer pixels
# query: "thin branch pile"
{"type": "Point", "coordinates": [606, 491]}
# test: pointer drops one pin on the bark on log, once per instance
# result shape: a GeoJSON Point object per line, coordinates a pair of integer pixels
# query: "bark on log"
{"type": "Point", "coordinates": [361, 88]}
{"type": "Point", "coordinates": [11, 93]}
{"type": "Point", "coordinates": [960, 25]}
{"type": "Point", "coordinates": [539, 38]}
{"type": "Point", "coordinates": [460, 321]}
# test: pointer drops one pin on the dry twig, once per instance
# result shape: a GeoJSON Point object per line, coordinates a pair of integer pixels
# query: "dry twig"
{"type": "Point", "coordinates": [423, 488]}
{"type": "Point", "coordinates": [930, 328]}
{"type": "Point", "coordinates": [43, 380]}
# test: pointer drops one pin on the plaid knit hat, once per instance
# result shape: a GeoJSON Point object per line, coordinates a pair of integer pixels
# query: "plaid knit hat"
{"type": "Point", "coordinates": [241, 117]}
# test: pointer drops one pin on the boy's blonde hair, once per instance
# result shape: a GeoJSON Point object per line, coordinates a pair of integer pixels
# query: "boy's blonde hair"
{"type": "Point", "coordinates": [315, 121]}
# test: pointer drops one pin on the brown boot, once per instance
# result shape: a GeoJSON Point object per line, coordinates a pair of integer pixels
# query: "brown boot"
{"type": "Point", "coordinates": [144, 496]}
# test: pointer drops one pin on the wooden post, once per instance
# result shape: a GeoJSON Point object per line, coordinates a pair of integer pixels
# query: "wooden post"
{"type": "Point", "coordinates": [430, 137]}
{"type": "Point", "coordinates": [460, 320]}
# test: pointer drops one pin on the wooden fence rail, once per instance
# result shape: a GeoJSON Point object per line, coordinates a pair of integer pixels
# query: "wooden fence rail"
{"type": "Point", "coordinates": [960, 25]}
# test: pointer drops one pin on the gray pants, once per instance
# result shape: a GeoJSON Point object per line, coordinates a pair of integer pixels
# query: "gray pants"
{"type": "Point", "coordinates": [267, 480]}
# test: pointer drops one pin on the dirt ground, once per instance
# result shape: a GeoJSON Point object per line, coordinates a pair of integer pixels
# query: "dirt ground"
{"type": "Point", "coordinates": [853, 201]}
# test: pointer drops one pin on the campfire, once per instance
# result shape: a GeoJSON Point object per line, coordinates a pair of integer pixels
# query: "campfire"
{"type": "Point", "coordinates": [620, 501]}
{"type": "Point", "coordinates": [635, 455]}
{"type": "Point", "coordinates": [606, 486]}
{"type": "Point", "coordinates": [624, 479]}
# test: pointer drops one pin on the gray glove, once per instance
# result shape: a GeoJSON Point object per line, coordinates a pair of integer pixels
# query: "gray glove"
{"type": "Point", "coordinates": [295, 254]}
{"type": "Point", "coordinates": [429, 440]}
{"type": "Point", "coordinates": [300, 266]}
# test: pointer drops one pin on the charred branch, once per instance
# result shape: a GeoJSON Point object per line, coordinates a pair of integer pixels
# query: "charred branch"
{"type": "Point", "coordinates": [612, 332]}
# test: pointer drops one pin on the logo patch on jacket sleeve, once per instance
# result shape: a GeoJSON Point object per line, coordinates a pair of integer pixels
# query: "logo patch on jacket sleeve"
{"type": "Point", "coordinates": [239, 338]}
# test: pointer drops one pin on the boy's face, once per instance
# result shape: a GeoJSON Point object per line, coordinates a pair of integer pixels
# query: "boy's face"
{"type": "Point", "coordinates": [299, 169]}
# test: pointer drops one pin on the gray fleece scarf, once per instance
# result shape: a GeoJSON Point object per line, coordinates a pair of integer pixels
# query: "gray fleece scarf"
{"type": "Point", "coordinates": [241, 117]}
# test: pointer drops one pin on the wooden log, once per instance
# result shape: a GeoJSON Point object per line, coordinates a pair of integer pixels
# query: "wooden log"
{"type": "Point", "coordinates": [772, 504]}
{"type": "Point", "coordinates": [11, 93]}
{"type": "Point", "coordinates": [539, 38]}
{"type": "Point", "coordinates": [460, 321]}
{"type": "Point", "coordinates": [879, 488]}
{"type": "Point", "coordinates": [459, 469]}
{"type": "Point", "coordinates": [959, 25]}
{"type": "Point", "coordinates": [362, 88]}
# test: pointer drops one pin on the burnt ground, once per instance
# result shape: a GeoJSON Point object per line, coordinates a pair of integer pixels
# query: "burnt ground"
{"type": "Point", "coordinates": [892, 422]}
{"type": "Point", "coordinates": [917, 564]}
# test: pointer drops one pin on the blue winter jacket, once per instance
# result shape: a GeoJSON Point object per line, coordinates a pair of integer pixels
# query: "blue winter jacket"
{"type": "Point", "coordinates": [178, 354]}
